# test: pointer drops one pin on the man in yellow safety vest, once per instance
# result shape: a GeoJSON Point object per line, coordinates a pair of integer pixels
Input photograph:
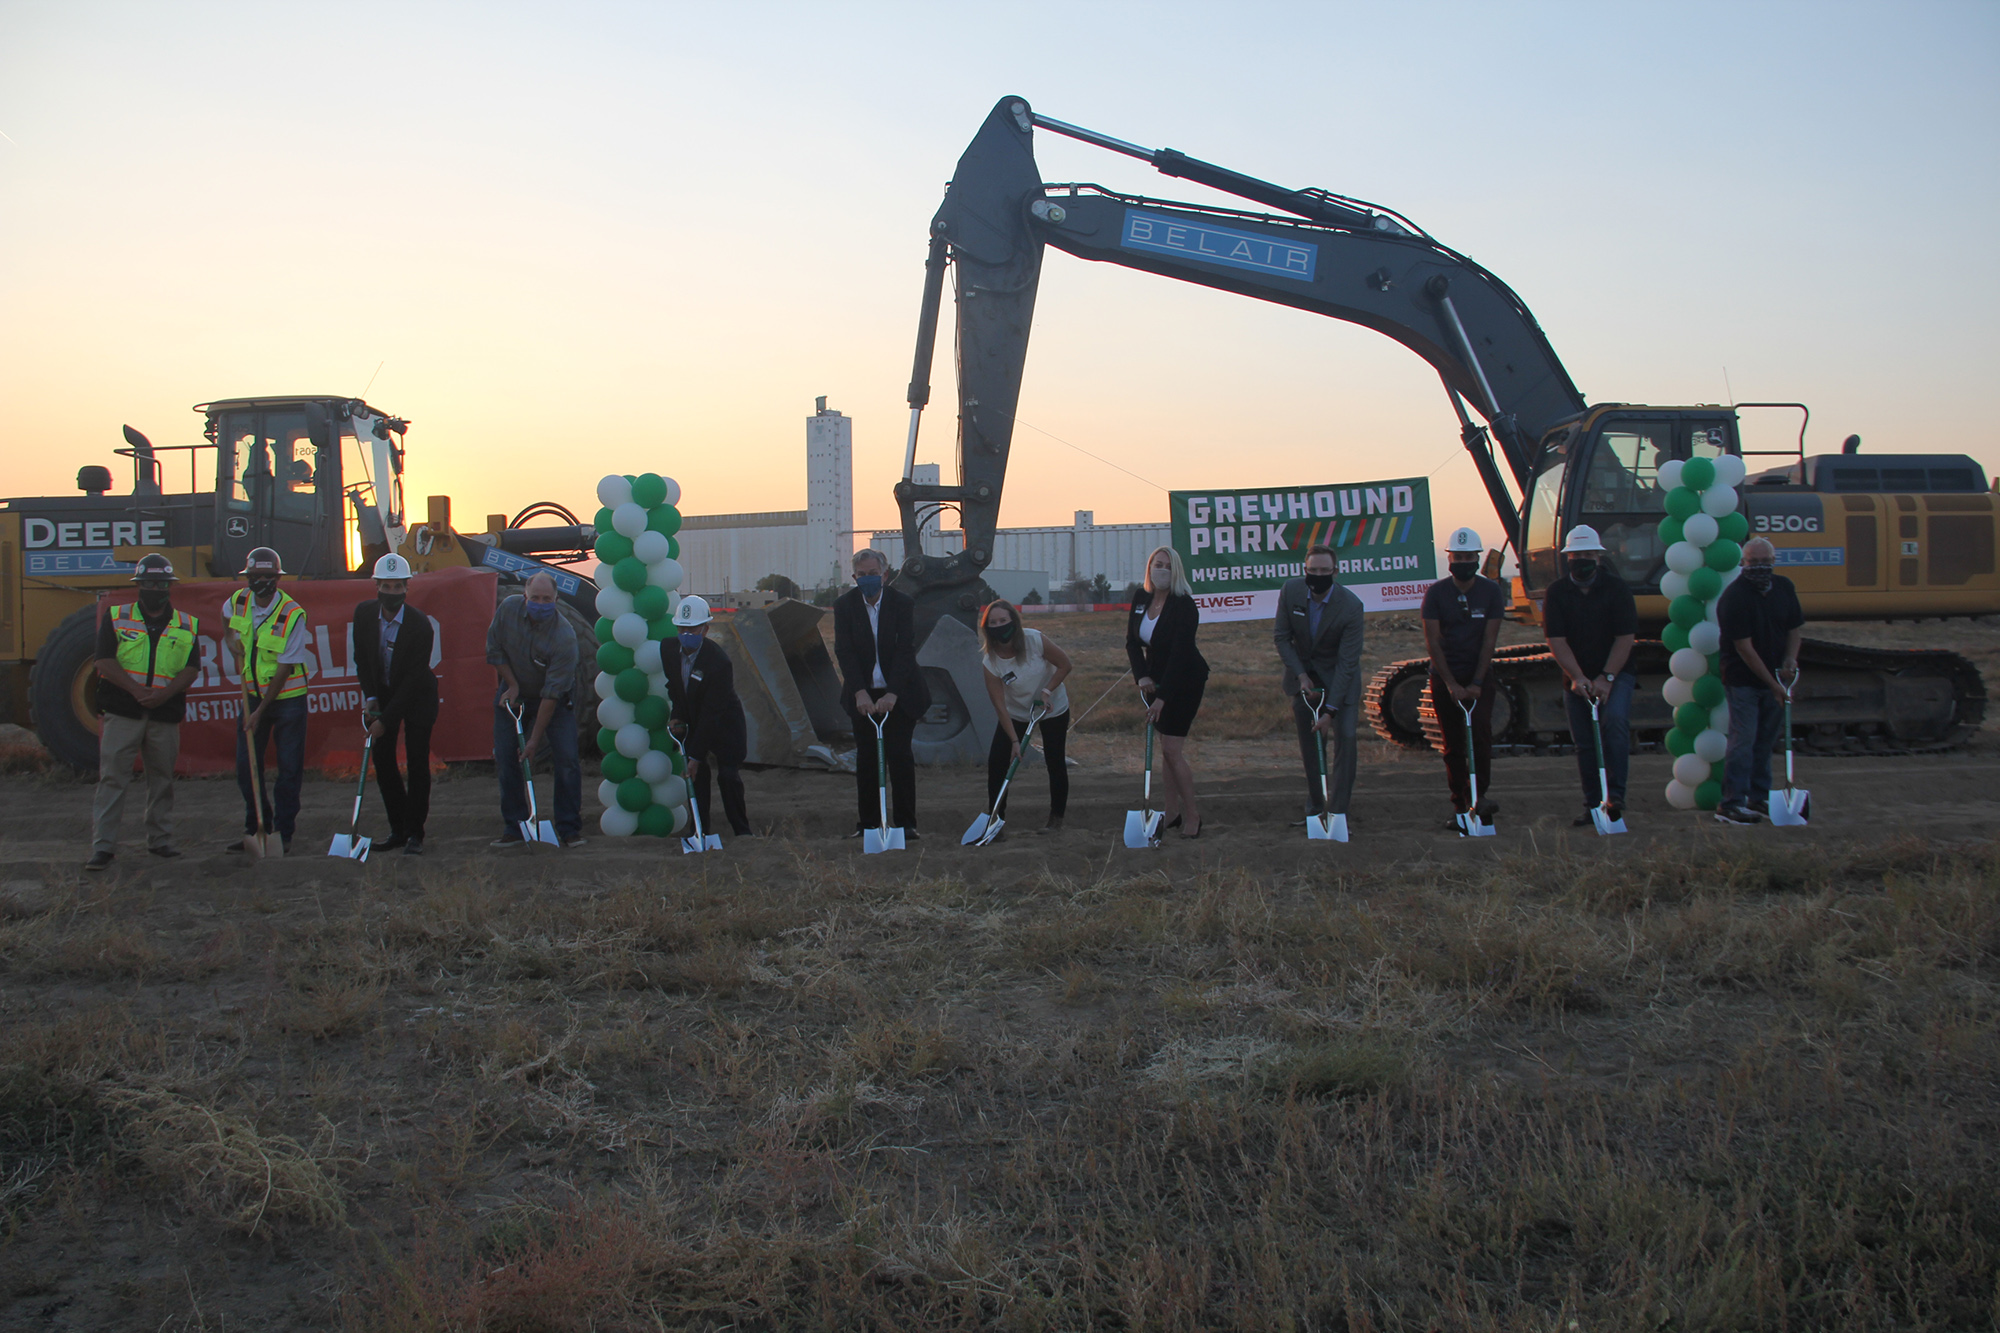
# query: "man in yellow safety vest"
{"type": "Point", "coordinates": [267, 640]}
{"type": "Point", "coordinates": [146, 659]}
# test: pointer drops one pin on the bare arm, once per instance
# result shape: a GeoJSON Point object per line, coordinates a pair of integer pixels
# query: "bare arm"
{"type": "Point", "coordinates": [1058, 659]}
{"type": "Point", "coordinates": [1434, 645]}
{"type": "Point", "coordinates": [1748, 653]}
{"type": "Point", "coordinates": [1559, 648]}
{"type": "Point", "coordinates": [108, 668]}
{"type": "Point", "coordinates": [1485, 656]}
{"type": "Point", "coordinates": [1621, 653]}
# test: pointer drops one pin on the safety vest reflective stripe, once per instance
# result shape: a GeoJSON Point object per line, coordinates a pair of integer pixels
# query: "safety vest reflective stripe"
{"type": "Point", "coordinates": [152, 662]}
{"type": "Point", "coordinates": [266, 644]}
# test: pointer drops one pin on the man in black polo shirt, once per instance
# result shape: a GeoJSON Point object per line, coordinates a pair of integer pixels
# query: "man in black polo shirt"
{"type": "Point", "coordinates": [1462, 616]}
{"type": "Point", "coordinates": [1591, 620]}
{"type": "Point", "coordinates": [1762, 623]}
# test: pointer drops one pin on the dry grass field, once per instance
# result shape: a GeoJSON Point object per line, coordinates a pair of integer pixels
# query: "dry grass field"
{"type": "Point", "coordinates": [1695, 1078]}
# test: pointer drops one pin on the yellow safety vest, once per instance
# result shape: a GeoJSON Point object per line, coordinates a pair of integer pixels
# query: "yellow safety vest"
{"type": "Point", "coordinates": [263, 647]}
{"type": "Point", "coordinates": [150, 661]}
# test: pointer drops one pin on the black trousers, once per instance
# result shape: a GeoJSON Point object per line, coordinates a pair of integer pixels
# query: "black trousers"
{"type": "Point", "coordinates": [408, 805]}
{"type": "Point", "coordinates": [1051, 733]}
{"type": "Point", "coordinates": [896, 734]}
{"type": "Point", "coordinates": [1451, 721]}
{"type": "Point", "coordinates": [1312, 751]}
{"type": "Point", "coordinates": [730, 778]}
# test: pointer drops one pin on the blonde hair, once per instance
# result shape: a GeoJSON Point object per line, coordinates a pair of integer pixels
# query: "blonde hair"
{"type": "Point", "coordinates": [986, 628]}
{"type": "Point", "coordinates": [1180, 571]}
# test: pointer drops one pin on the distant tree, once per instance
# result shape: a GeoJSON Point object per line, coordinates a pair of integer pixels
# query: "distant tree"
{"type": "Point", "coordinates": [826, 596]}
{"type": "Point", "coordinates": [778, 584]}
{"type": "Point", "coordinates": [1100, 589]}
{"type": "Point", "coordinates": [1034, 597]}
{"type": "Point", "coordinates": [1076, 592]}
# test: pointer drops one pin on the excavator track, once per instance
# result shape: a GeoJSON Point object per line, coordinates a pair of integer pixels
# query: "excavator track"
{"type": "Point", "coordinates": [1852, 701]}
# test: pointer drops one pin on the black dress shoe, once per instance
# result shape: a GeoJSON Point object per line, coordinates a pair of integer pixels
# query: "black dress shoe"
{"type": "Point", "coordinates": [413, 847]}
{"type": "Point", "coordinates": [165, 853]}
{"type": "Point", "coordinates": [1176, 824]}
{"type": "Point", "coordinates": [391, 843]}
{"type": "Point", "coordinates": [911, 835]}
{"type": "Point", "coordinates": [98, 861]}
{"type": "Point", "coordinates": [1583, 820]}
{"type": "Point", "coordinates": [857, 833]}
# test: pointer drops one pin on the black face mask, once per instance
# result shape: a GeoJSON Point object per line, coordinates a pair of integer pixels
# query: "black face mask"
{"type": "Point", "coordinates": [1463, 571]}
{"type": "Point", "coordinates": [1319, 583]}
{"type": "Point", "coordinates": [390, 602]}
{"type": "Point", "coordinates": [155, 600]}
{"type": "Point", "coordinates": [1002, 633]}
{"type": "Point", "coordinates": [1758, 576]}
{"type": "Point", "coordinates": [1583, 571]}
{"type": "Point", "coordinates": [263, 588]}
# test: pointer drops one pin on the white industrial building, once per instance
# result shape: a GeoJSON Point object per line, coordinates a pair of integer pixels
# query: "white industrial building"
{"type": "Point", "coordinates": [728, 553]}
{"type": "Point", "coordinates": [1045, 560]}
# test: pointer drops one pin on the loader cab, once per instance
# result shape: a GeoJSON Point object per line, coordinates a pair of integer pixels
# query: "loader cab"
{"type": "Point", "coordinates": [275, 486]}
{"type": "Point", "coordinates": [1604, 470]}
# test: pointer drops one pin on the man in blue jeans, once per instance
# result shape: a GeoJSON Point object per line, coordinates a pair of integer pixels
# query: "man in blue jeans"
{"type": "Point", "coordinates": [534, 650]}
{"type": "Point", "coordinates": [265, 635]}
{"type": "Point", "coordinates": [1591, 620]}
{"type": "Point", "coordinates": [1762, 625]}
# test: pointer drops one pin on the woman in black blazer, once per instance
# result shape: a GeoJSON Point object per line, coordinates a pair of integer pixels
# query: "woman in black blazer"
{"type": "Point", "coordinates": [1160, 641]}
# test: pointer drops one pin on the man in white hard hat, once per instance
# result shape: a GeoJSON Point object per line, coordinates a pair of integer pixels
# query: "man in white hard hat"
{"type": "Point", "coordinates": [1318, 633]}
{"type": "Point", "coordinates": [265, 635]}
{"type": "Point", "coordinates": [399, 694]}
{"type": "Point", "coordinates": [1591, 620]}
{"type": "Point", "coordinates": [1462, 614]}
{"type": "Point", "coordinates": [708, 717]}
{"type": "Point", "coordinates": [147, 656]}
{"type": "Point", "coordinates": [534, 652]}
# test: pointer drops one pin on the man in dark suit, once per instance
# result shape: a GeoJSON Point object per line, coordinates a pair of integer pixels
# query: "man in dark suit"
{"type": "Point", "coordinates": [392, 655]}
{"type": "Point", "coordinates": [708, 717]}
{"type": "Point", "coordinates": [1319, 640]}
{"type": "Point", "coordinates": [875, 642]}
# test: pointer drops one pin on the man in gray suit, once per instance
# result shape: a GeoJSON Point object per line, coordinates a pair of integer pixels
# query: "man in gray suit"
{"type": "Point", "coordinates": [1319, 640]}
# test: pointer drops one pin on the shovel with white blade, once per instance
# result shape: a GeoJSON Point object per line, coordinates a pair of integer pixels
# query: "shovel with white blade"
{"type": "Point", "coordinates": [987, 825]}
{"type": "Point", "coordinates": [697, 841]}
{"type": "Point", "coordinates": [882, 838]}
{"type": "Point", "coordinates": [1324, 826]}
{"type": "Point", "coordinates": [1791, 808]}
{"type": "Point", "coordinates": [351, 844]}
{"type": "Point", "coordinates": [1470, 825]}
{"type": "Point", "coordinates": [533, 829]}
{"type": "Point", "coordinates": [1142, 826]}
{"type": "Point", "coordinates": [1600, 814]}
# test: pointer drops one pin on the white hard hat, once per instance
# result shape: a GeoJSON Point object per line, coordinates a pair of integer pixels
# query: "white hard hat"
{"type": "Point", "coordinates": [1465, 541]}
{"type": "Point", "coordinates": [692, 611]}
{"type": "Point", "coordinates": [392, 566]}
{"type": "Point", "coordinates": [1582, 537]}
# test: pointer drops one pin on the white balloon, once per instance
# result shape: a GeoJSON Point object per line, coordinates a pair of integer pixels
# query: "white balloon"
{"type": "Point", "coordinates": [613, 491]}
{"type": "Point", "coordinates": [682, 820]}
{"type": "Point", "coordinates": [612, 600]}
{"type": "Point", "coordinates": [1687, 664]}
{"type": "Point", "coordinates": [606, 685]}
{"type": "Point", "coordinates": [1729, 575]}
{"type": "Point", "coordinates": [657, 685]}
{"type": "Point", "coordinates": [1670, 476]}
{"type": "Point", "coordinates": [1705, 638]}
{"type": "Point", "coordinates": [1677, 691]}
{"type": "Point", "coordinates": [633, 740]}
{"type": "Point", "coordinates": [1708, 608]}
{"type": "Point", "coordinates": [607, 794]}
{"type": "Point", "coordinates": [1719, 500]}
{"type": "Point", "coordinates": [601, 574]}
{"type": "Point", "coordinates": [1684, 557]}
{"type": "Point", "coordinates": [618, 822]}
{"type": "Point", "coordinates": [1691, 770]}
{"type": "Point", "coordinates": [652, 547]}
{"type": "Point", "coordinates": [1673, 584]}
{"type": "Point", "coordinates": [665, 574]}
{"type": "Point", "coordinates": [655, 766]}
{"type": "Point", "coordinates": [1679, 795]}
{"type": "Point", "coordinates": [1712, 745]}
{"type": "Point", "coordinates": [629, 629]}
{"type": "Point", "coordinates": [1700, 530]}
{"type": "Point", "coordinates": [647, 657]}
{"type": "Point", "coordinates": [1730, 470]}
{"type": "Point", "coordinates": [673, 490]}
{"type": "Point", "coordinates": [629, 519]}
{"type": "Point", "coordinates": [670, 791]}
{"type": "Point", "coordinates": [673, 602]}
{"type": "Point", "coordinates": [614, 712]}
{"type": "Point", "coordinates": [1718, 717]}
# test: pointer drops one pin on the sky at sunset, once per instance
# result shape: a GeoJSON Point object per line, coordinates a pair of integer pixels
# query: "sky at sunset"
{"type": "Point", "coordinates": [591, 237]}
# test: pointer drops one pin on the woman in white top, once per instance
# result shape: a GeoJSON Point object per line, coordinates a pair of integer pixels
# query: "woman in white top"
{"type": "Point", "coordinates": [1024, 671]}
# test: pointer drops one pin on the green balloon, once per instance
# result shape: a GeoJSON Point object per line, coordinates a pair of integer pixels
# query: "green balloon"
{"type": "Point", "coordinates": [631, 685]}
{"type": "Point", "coordinates": [1715, 665]}
{"type": "Point", "coordinates": [613, 547]}
{"type": "Point", "coordinates": [1709, 690]}
{"type": "Point", "coordinates": [607, 741]}
{"type": "Point", "coordinates": [634, 795]}
{"type": "Point", "coordinates": [678, 760]}
{"type": "Point", "coordinates": [650, 601]}
{"type": "Point", "coordinates": [652, 712]}
{"type": "Point", "coordinates": [659, 631]}
{"type": "Point", "coordinates": [656, 821]}
{"type": "Point", "coordinates": [629, 574]}
{"type": "Point", "coordinates": [1704, 583]}
{"type": "Point", "coordinates": [1691, 718]}
{"type": "Point", "coordinates": [1683, 503]}
{"type": "Point", "coordinates": [603, 629]}
{"type": "Point", "coordinates": [1733, 526]}
{"type": "Point", "coordinates": [1686, 611]}
{"type": "Point", "coordinates": [1722, 555]}
{"type": "Point", "coordinates": [1698, 473]}
{"type": "Point", "coordinates": [664, 519]}
{"type": "Point", "coordinates": [617, 768]}
{"type": "Point", "coordinates": [1671, 531]}
{"type": "Point", "coordinates": [603, 521]}
{"type": "Point", "coordinates": [1675, 637]}
{"type": "Point", "coordinates": [1678, 742]}
{"type": "Point", "coordinates": [1708, 795]}
{"type": "Point", "coordinates": [673, 548]}
{"type": "Point", "coordinates": [614, 658]}
{"type": "Point", "coordinates": [648, 489]}
{"type": "Point", "coordinates": [658, 739]}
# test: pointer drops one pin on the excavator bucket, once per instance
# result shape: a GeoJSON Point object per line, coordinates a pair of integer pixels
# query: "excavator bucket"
{"type": "Point", "coordinates": [788, 683]}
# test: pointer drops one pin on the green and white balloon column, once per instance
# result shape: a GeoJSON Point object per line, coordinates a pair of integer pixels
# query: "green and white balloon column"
{"type": "Point", "coordinates": [1704, 533]}
{"type": "Point", "coordinates": [643, 790]}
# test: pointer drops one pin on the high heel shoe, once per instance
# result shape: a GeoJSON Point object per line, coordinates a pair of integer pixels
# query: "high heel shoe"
{"type": "Point", "coordinates": [1193, 835]}
{"type": "Point", "coordinates": [1175, 824]}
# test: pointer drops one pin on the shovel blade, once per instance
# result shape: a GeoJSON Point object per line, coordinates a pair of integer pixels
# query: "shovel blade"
{"type": "Point", "coordinates": [882, 840]}
{"type": "Point", "coordinates": [976, 833]}
{"type": "Point", "coordinates": [1472, 826]}
{"type": "Point", "coordinates": [1791, 809]}
{"type": "Point", "coordinates": [1142, 828]}
{"type": "Point", "coordinates": [1605, 824]}
{"type": "Point", "coordinates": [712, 842]}
{"type": "Point", "coordinates": [1326, 828]}
{"type": "Point", "coordinates": [992, 832]}
{"type": "Point", "coordinates": [691, 845]}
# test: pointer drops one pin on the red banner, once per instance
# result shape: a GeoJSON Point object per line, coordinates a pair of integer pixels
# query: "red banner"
{"type": "Point", "coordinates": [458, 603]}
